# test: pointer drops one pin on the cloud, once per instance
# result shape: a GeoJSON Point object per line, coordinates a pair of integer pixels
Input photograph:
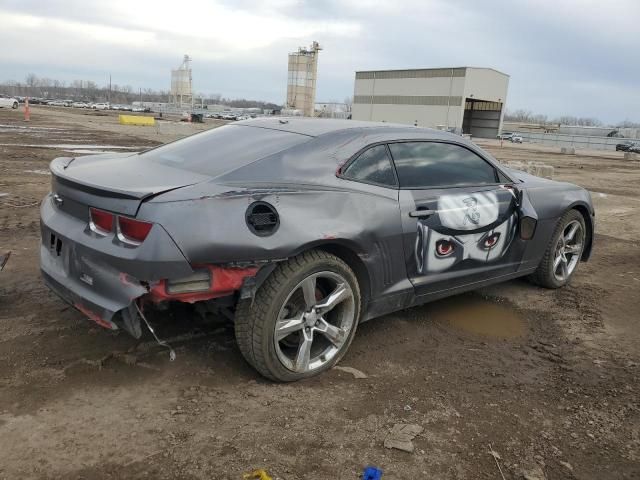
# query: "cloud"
{"type": "Point", "coordinates": [572, 57]}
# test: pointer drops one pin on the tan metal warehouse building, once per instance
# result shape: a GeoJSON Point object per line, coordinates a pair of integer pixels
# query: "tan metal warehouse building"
{"type": "Point", "coordinates": [462, 99]}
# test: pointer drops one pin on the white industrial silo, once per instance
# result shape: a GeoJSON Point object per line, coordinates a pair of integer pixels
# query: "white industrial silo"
{"type": "Point", "coordinates": [181, 88]}
{"type": "Point", "coordinates": [301, 83]}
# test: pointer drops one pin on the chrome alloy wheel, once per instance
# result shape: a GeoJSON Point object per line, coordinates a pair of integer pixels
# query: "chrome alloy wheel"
{"type": "Point", "coordinates": [568, 250]}
{"type": "Point", "coordinates": [314, 322]}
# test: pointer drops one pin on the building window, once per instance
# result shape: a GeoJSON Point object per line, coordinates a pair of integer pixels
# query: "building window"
{"type": "Point", "coordinates": [407, 100]}
{"type": "Point", "coordinates": [419, 73]}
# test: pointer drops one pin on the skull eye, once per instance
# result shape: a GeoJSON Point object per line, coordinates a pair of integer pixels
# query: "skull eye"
{"type": "Point", "coordinates": [491, 240]}
{"type": "Point", "coordinates": [444, 248]}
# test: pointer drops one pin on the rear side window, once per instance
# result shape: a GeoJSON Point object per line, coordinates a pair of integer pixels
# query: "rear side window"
{"type": "Point", "coordinates": [431, 164]}
{"type": "Point", "coordinates": [223, 149]}
{"type": "Point", "coordinates": [372, 166]}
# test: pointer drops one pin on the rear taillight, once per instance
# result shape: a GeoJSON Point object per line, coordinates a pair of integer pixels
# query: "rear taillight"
{"type": "Point", "coordinates": [133, 231]}
{"type": "Point", "coordinates": [101, 221]}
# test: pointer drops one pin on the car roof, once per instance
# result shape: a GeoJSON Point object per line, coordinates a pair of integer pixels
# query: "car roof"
{"type": "Point", "coordinates": [330, 144]}
{"type": "Point", "coordinates": [315, 127]}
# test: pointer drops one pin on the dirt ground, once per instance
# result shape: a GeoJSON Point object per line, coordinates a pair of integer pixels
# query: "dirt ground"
{"type": "Point", "coordinates": [546, 379]}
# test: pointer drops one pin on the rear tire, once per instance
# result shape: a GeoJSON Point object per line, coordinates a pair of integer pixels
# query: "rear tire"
{"type": "Point", "coordinates": [302, 319]}
{"type": "Point", "coordinates": [563, 253]}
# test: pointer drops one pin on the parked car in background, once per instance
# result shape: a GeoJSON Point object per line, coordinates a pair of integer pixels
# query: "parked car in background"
{"type": "Point", "coordinates": [624, 146]}
{"type": "Point", "coordinates": [8, 102]}
{"type": "Point", "coordinates": [120, 107]}
{"type": "Point", "coordinates": [79, 105]}
{"type": "Point", "coordinates": [635, 148]}
{"type": "Point", "coordinates": [505, 136]}
{"type": "Point", "coordinates": [515, 138]}
{"type": "Point", "coordinates": [300, 229]}
{"type": "Point", "coordinates": [100, 106]}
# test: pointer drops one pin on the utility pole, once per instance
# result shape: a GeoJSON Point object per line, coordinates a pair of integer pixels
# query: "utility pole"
{"type": "Point", "coordinates": [109, 97]}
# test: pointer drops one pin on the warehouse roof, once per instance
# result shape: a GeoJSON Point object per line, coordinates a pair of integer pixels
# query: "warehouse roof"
{"type": "Point", "coordinates": [442, 69]}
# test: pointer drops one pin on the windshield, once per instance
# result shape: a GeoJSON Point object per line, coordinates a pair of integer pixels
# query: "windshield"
{"type": "Point", "coordinates": [223, 149]}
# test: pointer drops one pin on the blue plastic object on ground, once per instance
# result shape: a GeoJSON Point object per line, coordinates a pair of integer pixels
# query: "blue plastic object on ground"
{"type": "Point", "coordinates": [372, 473]}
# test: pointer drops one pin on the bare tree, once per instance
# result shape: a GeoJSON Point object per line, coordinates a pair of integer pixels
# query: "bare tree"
{"type": "Point", "coordinates": [31, 80]}
{"type": "Point", "coordinates": [628, 124]}
{"type": "Point", "coordinates": [348, 101]}
{"type": "Point", "coordinates": [88, 90]}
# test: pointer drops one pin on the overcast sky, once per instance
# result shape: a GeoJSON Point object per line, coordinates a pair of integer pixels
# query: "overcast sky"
{"type": "Point", "coordinates": [576, 57]}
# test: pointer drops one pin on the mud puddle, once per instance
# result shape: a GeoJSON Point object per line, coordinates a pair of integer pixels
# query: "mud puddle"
{"type": "Point", "coordinates": [479, 316]}
{"type": "Point", "coordinates": [23, 128]}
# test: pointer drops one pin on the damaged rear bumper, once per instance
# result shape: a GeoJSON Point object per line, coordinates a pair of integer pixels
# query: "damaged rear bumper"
{"type": "Point", "coordinates": [97, 307]}
{"type": "Point", "coordinates": [98, 275]}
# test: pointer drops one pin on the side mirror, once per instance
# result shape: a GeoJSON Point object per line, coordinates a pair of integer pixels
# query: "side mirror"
{"type": "Point", "coordinates": [526, 213]}
{"type": "Point", "coordinates": [527, 227]}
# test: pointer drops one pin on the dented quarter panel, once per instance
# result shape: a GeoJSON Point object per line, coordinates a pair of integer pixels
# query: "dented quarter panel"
{"type": "Point", "coordinates": [365, 221]}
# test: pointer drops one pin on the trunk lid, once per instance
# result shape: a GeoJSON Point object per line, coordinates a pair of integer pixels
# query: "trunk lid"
{"type": "Point", "coordinates": [117, 182]}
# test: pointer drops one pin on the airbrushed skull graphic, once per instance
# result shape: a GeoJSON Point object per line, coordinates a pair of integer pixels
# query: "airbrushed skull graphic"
{"type": "Point", "coordinates": [471, 227]}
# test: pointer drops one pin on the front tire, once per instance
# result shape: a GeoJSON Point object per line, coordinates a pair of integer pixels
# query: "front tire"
{"type": "Point", "coordinates": [302, 319]}
{"type": "Point", "coordinates": [15, 105]}
{"type": "Point", "coordinates": [563, 252]}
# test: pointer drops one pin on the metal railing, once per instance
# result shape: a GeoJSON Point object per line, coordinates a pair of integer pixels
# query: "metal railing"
{"type": "Point", "coordinates": [576, 141]}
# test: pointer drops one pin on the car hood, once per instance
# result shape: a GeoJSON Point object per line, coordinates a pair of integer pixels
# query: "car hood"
{"type": "Point", "coordinates": [531, 181]}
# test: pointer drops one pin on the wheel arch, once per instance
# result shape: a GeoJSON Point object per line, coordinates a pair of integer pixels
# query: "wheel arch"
{"type": "Point", "coordinates": [585, 211]}
{"type": "Point", "coordinates": [347, 252]}
{"type": "Point", "coordinates": [343, 249]}
{"type": "Point", "coordinates": [351, 258]}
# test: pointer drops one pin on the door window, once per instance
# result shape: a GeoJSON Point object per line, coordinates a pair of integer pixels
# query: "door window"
{"type": "Point", "coordinates": [372, 166]}
{"type": "Point", "coordinates": [432, 164]}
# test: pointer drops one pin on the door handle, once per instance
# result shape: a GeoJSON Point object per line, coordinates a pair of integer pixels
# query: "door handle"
{"type": "Point", "coordinates": [424, 213]}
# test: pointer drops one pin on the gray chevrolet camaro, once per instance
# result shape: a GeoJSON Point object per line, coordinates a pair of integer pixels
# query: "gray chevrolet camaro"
{"type": "Point", "coordinates": [299, 229]}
